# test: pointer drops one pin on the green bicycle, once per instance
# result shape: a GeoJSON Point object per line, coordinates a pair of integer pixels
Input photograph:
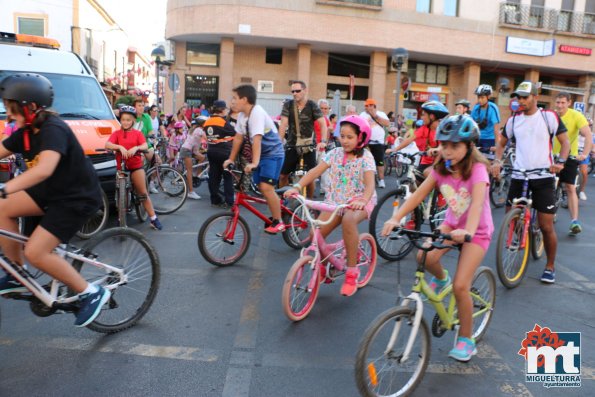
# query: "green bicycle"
{"type": "Point", "coordinates": [394, 352]}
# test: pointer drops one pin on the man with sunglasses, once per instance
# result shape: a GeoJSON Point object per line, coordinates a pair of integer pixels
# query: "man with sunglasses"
{"type": "Point", "coordinates": [300, 131]}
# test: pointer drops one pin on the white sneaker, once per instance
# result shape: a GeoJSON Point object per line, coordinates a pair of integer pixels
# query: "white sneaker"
{"type": "Point", "coordinates": [193, 195]}
{"type": "Point", "coordinates": [152, 188]}
{"type": "Point", "coordinates": [381, 184]}
{"type": "Point", "coordinates": [582, 196]}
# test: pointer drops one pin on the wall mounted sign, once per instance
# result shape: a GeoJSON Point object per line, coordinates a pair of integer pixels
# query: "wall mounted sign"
{"type": "Point", "coordinates": [537, 48]}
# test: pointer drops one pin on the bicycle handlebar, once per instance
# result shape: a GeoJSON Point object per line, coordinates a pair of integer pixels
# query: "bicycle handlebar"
{"type": "Point", "coordinates": [321, 206]}
{"type": "Point", "coordinates": [437, 238]}
{"type": "Point", "coordinates": [412, 156]}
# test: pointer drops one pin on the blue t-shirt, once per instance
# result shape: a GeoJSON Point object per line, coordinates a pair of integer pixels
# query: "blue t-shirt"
{"type": "Point", "coordinates": [491, 115]}
{"type": "Point", "coordinates": [260, 123]}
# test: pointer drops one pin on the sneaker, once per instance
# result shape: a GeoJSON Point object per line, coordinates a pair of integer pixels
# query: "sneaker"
{"type": "Point", "coordinates": [381, 184]}
{"type": "Point", "coordinates": [350, 283]}
{"type": "Point", "coordinates": [582, 196]}
{"type": "Point", "coordinates": [437, 285]}
{"type": "Point", "coordinates": [9, 284]}
{"type": "Point", "coordinates": [91, 305]}
{"type": "Point", "coordinates": [464, 349]}
{"type": "Point", "coordinates": [548, 276]}
{"type": "Point", "coordinates": [275, 227]}
{"type": "Point", "coordinates": [155, 224]}
{"type": "Point", "coordinates": [575, 228]}
{"type": "Point", "coordinates": [152, 188]}
{"type": "Point", "coordinates": [193, 195]}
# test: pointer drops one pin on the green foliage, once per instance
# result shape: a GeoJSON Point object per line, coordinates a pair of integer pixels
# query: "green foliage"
{"type": "Point", "coordinates": [125, 100]}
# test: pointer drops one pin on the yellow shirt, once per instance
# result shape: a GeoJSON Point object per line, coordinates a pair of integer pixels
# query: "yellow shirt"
{"type": "Point", "coordinates": [574, 121]}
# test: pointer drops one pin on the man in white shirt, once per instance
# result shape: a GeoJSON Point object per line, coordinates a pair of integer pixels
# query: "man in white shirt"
{"type": "Point", "coordinates": [377, 120]}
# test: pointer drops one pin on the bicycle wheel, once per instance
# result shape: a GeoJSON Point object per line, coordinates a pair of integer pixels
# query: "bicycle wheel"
{"type": "Point", "coordinates": [388, 169]}
{"type": "Point", "coordinates": [141, 212]}
{"type": "Point", "coordinates": [170, 186]}
{"type": "Point", "coordinates": [366, 259]}
{"type": "Point", "coordinates": [379, 366]}
{"type": "Point", "coordinates": [437, 213]}
{"type": "Point", "coordinates": [400, 168]}
{"type": "Point", "coordinates": [391, 247]}
{"type": "Point", "coordinates": [499, 191]}
{"type": "Point", "coordinates": [297, 297]}
{"type": "Point", "coordinates": [96, 222]}
{"type": "Point", "coordinates": [537, 245]}
{"type": "Point", "coordinates": [122, 201]}
{"type": "Point", "coordinates": [483, 294]}
{"type": "Point", "coordinates": [297, 228]}
{"type": "Point", "coordinates": [212, 243]}
{"type": "Point", "coordinates": [511, 257]}
{"type": "Point", "coordinates": [127, 249]}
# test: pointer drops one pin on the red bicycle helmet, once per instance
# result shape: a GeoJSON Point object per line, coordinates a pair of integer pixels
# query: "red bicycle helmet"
{"type": "Point", "coordinates": [361, 126]}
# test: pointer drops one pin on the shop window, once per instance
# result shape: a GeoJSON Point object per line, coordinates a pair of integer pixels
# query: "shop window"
{"type": "Point", "coordinates": [274, 56]}
{"type": "Point", "coordinates": [428, 73]}
{"type": "Point", "coordinates": [360, 92]}
{"type": "Point", "coordinates": [201, 54]}
{"type": "Point", "coordinates": [345, 65]}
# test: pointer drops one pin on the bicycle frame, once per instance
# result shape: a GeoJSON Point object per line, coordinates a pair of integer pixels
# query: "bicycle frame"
{"type": "Point", "coordinates": [51, 298]}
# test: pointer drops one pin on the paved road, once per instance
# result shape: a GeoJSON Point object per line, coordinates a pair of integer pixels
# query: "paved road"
{"type": "Point", "coordinates": [221, 331]}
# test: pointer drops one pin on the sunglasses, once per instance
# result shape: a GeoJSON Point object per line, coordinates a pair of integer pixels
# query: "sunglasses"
{"type": "Point", "coordinates": [296, 91]}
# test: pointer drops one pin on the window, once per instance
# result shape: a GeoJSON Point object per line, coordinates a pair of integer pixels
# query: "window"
{"type": "Point", "coordinates": [274, 56]}
{"type": "Point", "coordinates": [360, 92]}
{"type": "Point", "coordinates": [536, 13]}
{"type": "Point", "coordinates": [345, 64]}
{"type": "Point", "coordinates": [201, 89]}
{"type": "Point", "coordinates": [567, 5]}
{"type": "Point", "coordinates": [31, 25]}
{"type": "Point", "coordinates": [202, 54]}
{"type": "Point", "coordinates": [564, 18]}
{"type": "Point", "coordinates": [451, 8]}
{"type": "Point", "coordinates": [423, 6]}
{"type": "Point", "coordinates": [428, 73]}
{"type": "Point", "coordinates": [590, 6]}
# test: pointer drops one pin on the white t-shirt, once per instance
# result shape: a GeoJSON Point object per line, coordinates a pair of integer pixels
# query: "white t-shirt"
{"type": "Point", "coordinates": [261, 124]}
{"type": "Point", "coordinates": [533, 140]}
{"type": "Point", "coordinates": [378, 133]}
{"type": "Point", "coordinates": [155, 124]}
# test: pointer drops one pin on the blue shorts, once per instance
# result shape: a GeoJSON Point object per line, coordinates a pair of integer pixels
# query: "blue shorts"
{"type": "Point", "coordinates": [586, 161]}
{"type": "Point", "coordinates": [268, 170]}
{"type": "Point", "coordinates": [487, 143]}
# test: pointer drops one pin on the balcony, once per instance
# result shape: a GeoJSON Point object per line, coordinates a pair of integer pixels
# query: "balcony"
{"type": "Point", "coordinates": [367, 4]}
{"type": "Point", "coordinates": [522, 16]}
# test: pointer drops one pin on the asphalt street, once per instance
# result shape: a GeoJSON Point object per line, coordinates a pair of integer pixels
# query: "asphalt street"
{"type": "Point", "coordinates": [222, 332]}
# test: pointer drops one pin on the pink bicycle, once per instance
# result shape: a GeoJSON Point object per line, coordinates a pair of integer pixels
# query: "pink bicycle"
{"type": "Point", "coordinates": [303, 280]}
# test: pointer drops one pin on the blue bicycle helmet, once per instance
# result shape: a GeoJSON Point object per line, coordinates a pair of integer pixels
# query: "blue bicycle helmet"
{"type": "Point", "coordinates": [436, 108]}
{"type": "Point", "coordinates": [419, 123]}
{"type": "Point", "coordinates": [128, 109]}
{"type": "Point", "coordinates": [459, 128]}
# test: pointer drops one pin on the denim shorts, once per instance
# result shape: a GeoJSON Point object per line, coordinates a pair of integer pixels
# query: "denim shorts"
{"type": "Point", "coordinates": [268, 170]}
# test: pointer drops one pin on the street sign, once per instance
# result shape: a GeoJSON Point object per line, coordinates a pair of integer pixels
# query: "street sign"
{"type": "Point", "coordinates": [155, 88]}
{"type": "Point", "coordinates": [580, 106]}
{"type": "Point", "coordinates": [173, 82]}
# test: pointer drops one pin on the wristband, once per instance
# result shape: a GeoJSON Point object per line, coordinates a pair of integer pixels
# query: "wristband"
{"type": "Point", "coordinates": [298, 186]}
{"type": "Point", "coordinates": [560, 160]}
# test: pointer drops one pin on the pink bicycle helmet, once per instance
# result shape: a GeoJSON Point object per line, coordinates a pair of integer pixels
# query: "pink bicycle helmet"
{"type": "Point", "coordinates": [362, 127]}
{"type": "Point", "coordinates": [179, 124]}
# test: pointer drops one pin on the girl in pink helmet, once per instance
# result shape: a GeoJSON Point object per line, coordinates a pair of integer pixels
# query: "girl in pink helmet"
{"type": "Point", "coordinates": [351, 171]}
{"type": "Point", "coordinates": [176, 139]}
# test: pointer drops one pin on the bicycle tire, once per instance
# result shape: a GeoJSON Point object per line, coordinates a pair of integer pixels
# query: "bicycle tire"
{"type": "Point", "coordinates": [367, 256]}
{"type": "Point", "coordinates": [122, 201]}
{"type": "Point", "coordinates": [437, 214]}
{"type": "Point", "coordinates": [171, 186]}
{"type": "Point", "coordinates": [537, 243]}
{"type": "Point", "coordinates": [295, 236]}
{"type": "Point", "coordinates": [141, 212]}
{"type": "Point", "coordinates": [388, 165]}
{"type": "Point", "coordinates": [390, 248]}
{"type": "Point", "coordinates": [127, 248]}
{"type": "Point", "coordinates": [297, 307]}
{"type": "Point", "coordinates": [370, 377]}
{"type": "Point", "coordinates": [484, 286]}
{"type": "Point", "coordinates": [97, 221]}
{"type": "Point", "coordinates": [499, 191]}
{"type": "Point", "coordinates": [400, 168]}
{"type": "Point", "coordinates": [511, 274]}
{"type": "Point", "coordinates": [212, 247]}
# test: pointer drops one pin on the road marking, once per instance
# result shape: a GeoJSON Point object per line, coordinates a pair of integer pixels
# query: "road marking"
{"type": "Point", "coordinates": [574, 275]}
{"type": "Point", "coordinates": [516, 389]}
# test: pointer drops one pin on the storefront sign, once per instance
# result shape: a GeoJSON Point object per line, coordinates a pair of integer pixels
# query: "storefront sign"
{"type": "Point", "coordinates": [570, 49]}
{"type": "Point", "coordinates": [538, 48]}
{"type": "Point", "coordinates": [419, 96]}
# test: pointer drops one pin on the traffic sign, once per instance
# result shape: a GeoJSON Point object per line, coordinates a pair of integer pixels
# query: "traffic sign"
{"type": "Point", "coordinates": [155, 88]}
{"type": "Point", "coordinates": [173, 82]}
{"type": "Point", "coordinates": [580, 106]}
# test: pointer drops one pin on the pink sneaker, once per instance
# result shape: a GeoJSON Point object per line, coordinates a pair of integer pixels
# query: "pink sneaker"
{"type": "Point", "coordinates": [275, 227]}
{"type": "Point", "coordinates": [350, 283]}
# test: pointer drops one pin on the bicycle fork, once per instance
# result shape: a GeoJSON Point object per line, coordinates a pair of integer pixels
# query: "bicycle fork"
{"type": "Point", "coordinates": [416, 322]}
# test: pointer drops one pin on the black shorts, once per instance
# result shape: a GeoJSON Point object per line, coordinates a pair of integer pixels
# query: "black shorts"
{"type": "Point", "coordinates": [292, 158]}
{"type": "Point", "coordinates": [377, 151]}
{"type": "Point", "coordinates": [64, 218]}
{"type": "Point", "coordinates": [569, 172]}
{"type": "Point", "coordinates": [421, 168]}
{"type": "Point", "coordinates": [542, 193]}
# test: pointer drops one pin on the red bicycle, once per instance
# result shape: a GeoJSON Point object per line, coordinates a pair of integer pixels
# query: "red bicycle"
{"type": "Point", "coordinates": [223, 239]}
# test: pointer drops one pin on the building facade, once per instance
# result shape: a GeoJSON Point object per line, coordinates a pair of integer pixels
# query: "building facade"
{"type": "Point", "coordinates": [453, 46]}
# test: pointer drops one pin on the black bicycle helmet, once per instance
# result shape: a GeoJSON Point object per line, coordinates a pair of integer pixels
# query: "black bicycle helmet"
{"type": "Point", "coordinates": [484, 89]}
{"type": "Point", "coordinates": [128, 109]}
{"type": "Point", "coordinates": [436, 108]}
{"type": "Point", "coordinates": [463, 102]}
{"type": "Point", "coordinates": [27, 88]}
{"type": "Point", "coordinates": [459, 128]}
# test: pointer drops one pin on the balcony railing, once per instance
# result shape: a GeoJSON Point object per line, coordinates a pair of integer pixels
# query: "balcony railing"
{"type": "Point", "coordinates": [550, 19]}
{"type": "Point", "coordinates": [370, 4]}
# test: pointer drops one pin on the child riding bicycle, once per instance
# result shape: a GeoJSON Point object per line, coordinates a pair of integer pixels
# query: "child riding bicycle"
{"type": "Point", "coordinates": [461, 174]}
{"type": "Point", "coordinates": [352, 170]}
{"type": "Point", "coordinates": [60, 186]}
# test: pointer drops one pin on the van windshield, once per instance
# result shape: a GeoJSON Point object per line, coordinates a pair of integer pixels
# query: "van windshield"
{"type": "Point", "coordinates": [75, 97]}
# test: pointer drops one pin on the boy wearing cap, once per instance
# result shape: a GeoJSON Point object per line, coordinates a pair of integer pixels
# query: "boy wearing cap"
{"type": "Point", "coordinates": [377, 120]}
{"type": "Point", "coordinates": [533, 130]}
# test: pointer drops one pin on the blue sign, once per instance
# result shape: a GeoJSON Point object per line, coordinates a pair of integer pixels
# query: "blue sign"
{"type": "Point", "coordinates": [580, 106]}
